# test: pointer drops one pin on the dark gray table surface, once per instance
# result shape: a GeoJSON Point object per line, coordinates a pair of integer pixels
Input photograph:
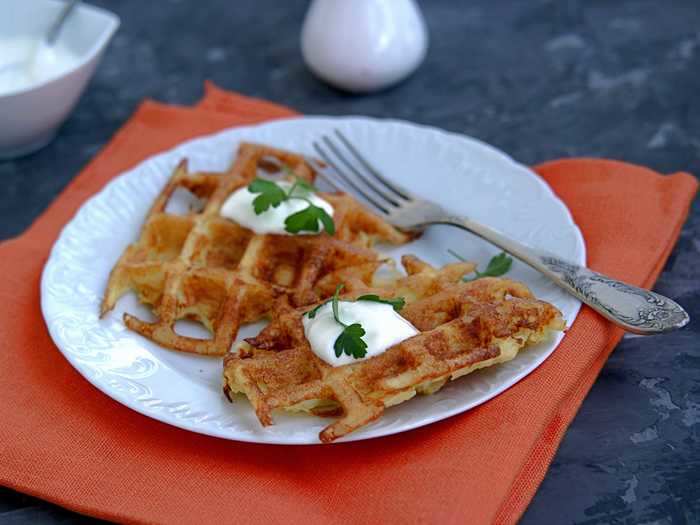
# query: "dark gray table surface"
{"type": "Point", "coordinates": [539, 79]}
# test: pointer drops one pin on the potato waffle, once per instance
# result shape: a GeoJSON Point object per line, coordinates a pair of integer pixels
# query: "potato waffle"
{"type": "Point", "coordinates": [203, 267]}
{"type": "Point", "coordinates": [463, 326]}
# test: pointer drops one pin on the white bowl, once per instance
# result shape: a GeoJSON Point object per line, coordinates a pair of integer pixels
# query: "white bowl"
{"type": "Point", "coordinates": [30, 116]}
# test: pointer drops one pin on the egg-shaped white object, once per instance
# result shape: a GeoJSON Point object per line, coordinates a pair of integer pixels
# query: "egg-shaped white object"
{"type": "Point", "coordinates": [363, 45]}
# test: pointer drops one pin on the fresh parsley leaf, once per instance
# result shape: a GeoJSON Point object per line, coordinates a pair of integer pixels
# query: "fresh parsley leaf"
{"type": "Point", "coordinates": [304, 220]}
{"type": "Point", "coordinates": [327, 221]}
{"type": "Point", "coordinates": [397, 302]}
{"type": "Point", "coordinates": [498, 265]}
{"type": "Point", "coordinates": [350, 342]}
{"type": "Point", "coordinates": [307, 220]}
{"type": "Point", "coordinates": [270, 195]}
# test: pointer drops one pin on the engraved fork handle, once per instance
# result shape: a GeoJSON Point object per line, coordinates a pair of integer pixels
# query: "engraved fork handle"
{"type": "Point", "coordinates": [635, 309]}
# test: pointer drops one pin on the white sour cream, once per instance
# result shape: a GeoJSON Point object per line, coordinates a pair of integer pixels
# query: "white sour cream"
{"type": "Point", "coordinates": [239, 208]}
{"type": "Point", "coordinates": [39, 63]}
{"type": "Point", "coordinates": [383, 326]}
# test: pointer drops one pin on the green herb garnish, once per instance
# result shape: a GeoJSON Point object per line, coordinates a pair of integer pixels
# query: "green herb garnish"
{"type": "Point", "coordinates": [307, 220]}
{"type": "Point", "coordinates": [498, 265]}
{"type": "Point", "coordinates": [272, 194]}
{"type": "Point", "coordinates": [397, 302]}
{"type": "Point", "coordinates": [350, 340]}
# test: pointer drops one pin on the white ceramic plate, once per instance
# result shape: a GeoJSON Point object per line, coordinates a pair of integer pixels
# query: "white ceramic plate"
{"type": "Point", "coordinates": [464, 175]}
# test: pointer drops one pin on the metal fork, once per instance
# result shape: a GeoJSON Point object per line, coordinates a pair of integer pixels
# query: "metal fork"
{"type": "Point", "coordinates": [634, 309]}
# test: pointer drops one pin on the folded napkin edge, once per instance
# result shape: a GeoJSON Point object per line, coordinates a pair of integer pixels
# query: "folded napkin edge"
{"type": "Point", "coordinates": [529, 478]}
{"type": "Point", "coordinates": [609, 162]}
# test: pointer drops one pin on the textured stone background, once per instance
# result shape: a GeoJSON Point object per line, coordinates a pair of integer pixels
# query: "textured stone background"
{"type": "Point", "coordinates": [539, 79]}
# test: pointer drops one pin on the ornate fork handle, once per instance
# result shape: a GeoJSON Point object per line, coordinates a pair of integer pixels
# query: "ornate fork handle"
{"type": "Point", "coordinates": [634, 309]}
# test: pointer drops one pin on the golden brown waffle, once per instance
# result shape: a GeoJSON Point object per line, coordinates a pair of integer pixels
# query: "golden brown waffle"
{"type": "Point", "coordinates": [463, 327]}
{"type": "Point", "coordinates": [206, 268]}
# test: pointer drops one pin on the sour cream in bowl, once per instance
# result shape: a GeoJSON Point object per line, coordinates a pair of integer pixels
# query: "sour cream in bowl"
{"type": "Point", "coordinates": [37, 96]}
{"type": "Point", "coordinates": [27, 61]}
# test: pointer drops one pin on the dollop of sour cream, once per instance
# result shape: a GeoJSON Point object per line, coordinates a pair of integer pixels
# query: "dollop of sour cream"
{"type": "Point", "coordinates": [239, 208]}
{"type": "Point", "coordinates": [383, 326]}
{"type": "Point", "coordinates": [36, 62]}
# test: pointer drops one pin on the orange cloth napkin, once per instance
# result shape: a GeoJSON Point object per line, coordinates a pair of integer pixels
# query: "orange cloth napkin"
{"type": "Point", "coordinates": [64, 441]}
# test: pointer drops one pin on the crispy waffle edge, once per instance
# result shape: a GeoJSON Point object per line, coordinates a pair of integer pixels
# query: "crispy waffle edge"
{"type": "Point", "coordinates": [202, 267]}
{"type": "Point", "coordinates": [464, 327]}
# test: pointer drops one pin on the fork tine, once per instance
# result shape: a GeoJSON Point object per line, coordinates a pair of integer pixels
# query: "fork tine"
{"type": "Point", "coordinates": [347, 181]}
{"type": "Point", "coordinates": [338, 153]}
{"type": "Point", "coordinates": [392, 186]}
{"type": "Point", "coordinates": [322, 172]}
